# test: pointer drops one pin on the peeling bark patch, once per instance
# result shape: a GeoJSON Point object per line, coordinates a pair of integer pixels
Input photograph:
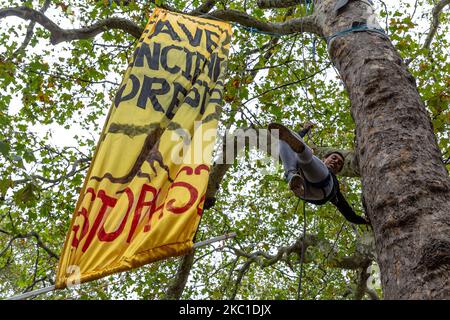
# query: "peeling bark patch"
{"type": "Point", "coordinates": [435, 255]}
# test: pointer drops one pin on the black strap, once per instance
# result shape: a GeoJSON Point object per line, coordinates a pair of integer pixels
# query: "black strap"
{"type": "Point", "coordinates": [321, 184]}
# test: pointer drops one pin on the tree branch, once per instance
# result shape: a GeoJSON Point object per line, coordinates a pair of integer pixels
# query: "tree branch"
{"type": "Point", "coordinates": [235, 143]}
{"type": "Point", "coordinates": [271, 44]}
{"type": "Point", "coordinates": [353, 262]}
{"type": "Point", "coordinates": [296, 25]}
{"type": "Point", "coordinates": [273, 4]}
{"type": "Point", "coordinates": [204, 8]}
{"type": "Point", "coordinates": [435, 22]}
{"type": "Point", "coordinates": [35, 282]}
{"type": "Point", "coordinates": [164, 6]}
{"type": "Point", "coordinates": [39, 241]}
{"type": "Point", "coordinates": [59, 35]}
{"type": "Point", "coordinates": [241, 274]}
{"type": "Point", "coordinates": [264, 259]}
{"type": "Point", "coordinates": [30, 30]}
{"type": "Point", "coordinates": [72, 172]}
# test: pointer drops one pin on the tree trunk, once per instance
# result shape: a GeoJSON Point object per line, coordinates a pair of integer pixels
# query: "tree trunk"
{"type": "Point", "coordinates": [405, 183]}
{"type": "Point", "coordinates": [176, 287]}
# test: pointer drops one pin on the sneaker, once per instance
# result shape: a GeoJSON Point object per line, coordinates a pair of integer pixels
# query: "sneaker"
{"type": "Point", "coordinates": [289, 136]}
{"type": "Point", "coordinates": [296, 184]}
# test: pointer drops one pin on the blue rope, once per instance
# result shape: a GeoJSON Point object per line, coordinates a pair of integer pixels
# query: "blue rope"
{"type": "Point", "coordinates": [354, 29]}
{"type": "Point", "coordinates": [255, 30]}
{"type": "Point", "coordinates": [309, 5]}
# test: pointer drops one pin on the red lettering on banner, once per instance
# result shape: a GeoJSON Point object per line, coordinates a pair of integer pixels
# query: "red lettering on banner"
{"type": "Point", "coordinates": [145, 209]}
{"type": "Point", "coordinates": [107, 201]}
{"type": "Point", "coordinates": [193, 193]}
{"type": "Point", "coordinates": [188, 170]}
{"type": "Point", "coordinates": [85, 228]}
{"type": "Point", "coordinates": [148, 226]}
{"type": "Point", "coordinates": [200, 168]}
{"type": "Point", "coordinates": [111, 236]}
{"type": "Point", "coordinates": [140, 205]}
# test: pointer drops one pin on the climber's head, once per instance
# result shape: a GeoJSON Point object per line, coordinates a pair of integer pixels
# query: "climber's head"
{"type": "Point", "coordinates": [334, 160]}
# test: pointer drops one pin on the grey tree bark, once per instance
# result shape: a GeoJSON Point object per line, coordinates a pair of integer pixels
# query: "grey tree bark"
{"type": "Point", "coordinates": [405, 183]}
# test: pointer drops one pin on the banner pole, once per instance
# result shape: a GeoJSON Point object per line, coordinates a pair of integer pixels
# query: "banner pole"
{"type": "Point", "coordinates": [216, 239]}
{"type": "Point", "coordinates": [32, 293]}
{"type": "Point", "coordinates": [51, 288]}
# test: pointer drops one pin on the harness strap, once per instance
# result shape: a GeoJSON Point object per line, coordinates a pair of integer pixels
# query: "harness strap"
{"type": "Point", "coordinates": [321, 184]}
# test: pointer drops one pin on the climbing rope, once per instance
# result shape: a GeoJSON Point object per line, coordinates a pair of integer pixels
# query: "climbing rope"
{"type": "Point", "coordinates": [302, 254]}
{"type": "Point", "coordinates": [255, 30]}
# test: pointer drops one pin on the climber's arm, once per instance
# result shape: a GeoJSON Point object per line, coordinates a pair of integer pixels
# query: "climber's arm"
{"type": "Point", "coordinates": [347, 211]}
{"type": "Point", "coordinates": [305, 130]}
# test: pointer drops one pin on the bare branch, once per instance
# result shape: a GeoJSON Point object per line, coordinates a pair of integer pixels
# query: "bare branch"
{"type": "Point", "coordinates": [204, 8]}
{"type": "Point", "coordinates": [72, 172]}
{"type": "Point", "coordinates": [415, 9]}
{"type": "Point", "coordinates": [35, 282]}
{"type": "Point", "coordinates": [39, 241]}
{"type": "Point", "coordinates": [231, 149]}
{"type": "Point", "coordinates": [164, 6]}
{"type": "Point", "coordinates": [435, 22]}
{"type": "Point", "coordinates": [296, 25]}
{"type": "Point", "coordinates": [272, 4]}
{"type": "Point", "coordinates": [353, 262]}
{"type": "Point", "coordinates": [282, 252]}
{"type": "Point", "coordinates": [36, 264]}
{"type": "Point", "coordinates": [356, 261]}
{"type": "Point", "coordinates": [30, 30]}
{"type": "Point", "coordinates": [59, 35]}
{"type": "Point", "coordinates": [42, 245]}
{"type": "Point", "coordinates": [264, 259]}
{"type": "Point", "coordinates": [241, 274]}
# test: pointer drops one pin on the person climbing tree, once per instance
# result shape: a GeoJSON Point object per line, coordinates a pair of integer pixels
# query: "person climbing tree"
{"type": "Point", "coordinates": [308, 177]}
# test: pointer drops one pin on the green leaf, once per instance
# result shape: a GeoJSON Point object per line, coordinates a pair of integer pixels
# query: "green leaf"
{"type": "Point", "coordinates": [4, 148]}
{"type": "Point", "coordinates": [5, 185]}
{"type": "Point", "coordinates": [27, 196]}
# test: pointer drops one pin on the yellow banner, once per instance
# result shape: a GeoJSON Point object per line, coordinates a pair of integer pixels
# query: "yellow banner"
{"type": "Point", "coordinates": [143, 196]}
